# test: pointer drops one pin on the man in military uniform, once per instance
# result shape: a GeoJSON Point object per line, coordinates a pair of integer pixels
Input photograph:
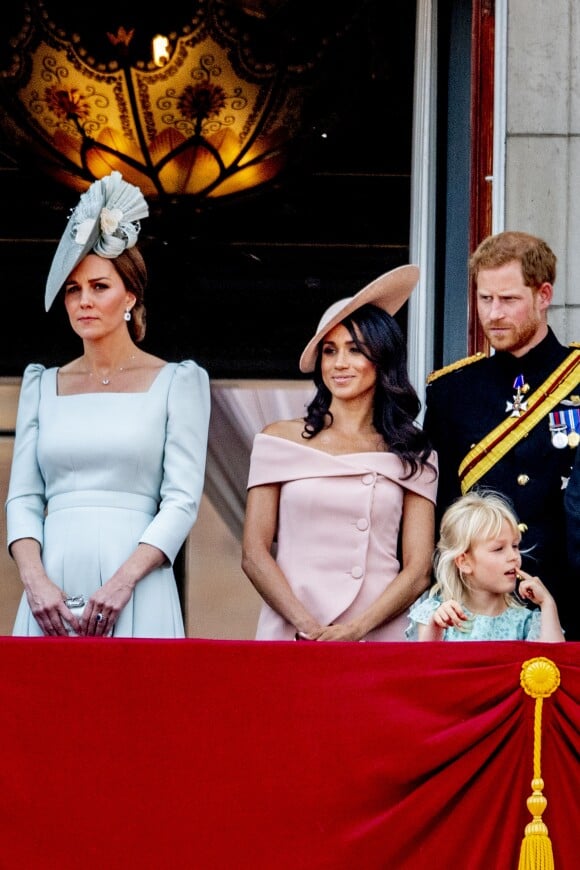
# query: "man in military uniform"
{"type": "Point", "coordinates": [510, 421]}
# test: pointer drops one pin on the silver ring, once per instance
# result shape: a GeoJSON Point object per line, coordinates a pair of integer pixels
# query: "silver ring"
{"type": "Point", "coordinates": [99, 617]}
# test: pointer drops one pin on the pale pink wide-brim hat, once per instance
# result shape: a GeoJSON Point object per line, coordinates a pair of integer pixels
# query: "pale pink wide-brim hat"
{"type": "Point", "coordinates": [389, 292]}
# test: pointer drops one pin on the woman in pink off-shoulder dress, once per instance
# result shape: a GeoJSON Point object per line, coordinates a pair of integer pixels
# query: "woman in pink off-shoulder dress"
{"type": "Point", "coordinates": [339, 530]}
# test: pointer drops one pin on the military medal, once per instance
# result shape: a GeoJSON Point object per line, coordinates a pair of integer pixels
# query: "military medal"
{"type": "Point", "coordinates": [518, 406]}
{"type": "Point", "coordinates": [558, 429]}
{"type": "Point", "coordinates": [572, 416]}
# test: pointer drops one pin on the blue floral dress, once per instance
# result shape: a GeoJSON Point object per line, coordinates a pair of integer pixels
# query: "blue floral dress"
{"type": "Point", "coordinates": [515, 623]}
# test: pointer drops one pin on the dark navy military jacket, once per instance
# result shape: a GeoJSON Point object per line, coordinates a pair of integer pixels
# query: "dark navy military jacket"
{"type": "Point", "coordinates": [462, 406]}
{"type": "Point", "coordinates": [572, 506]}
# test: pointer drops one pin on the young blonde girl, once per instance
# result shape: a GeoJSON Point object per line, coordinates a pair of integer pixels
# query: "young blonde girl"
{"type": "Point", "coordinates": [477, 565]}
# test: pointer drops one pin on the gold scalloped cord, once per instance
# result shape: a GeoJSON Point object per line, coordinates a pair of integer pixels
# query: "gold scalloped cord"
{"type": "Point", "coordinates": [539, 678]}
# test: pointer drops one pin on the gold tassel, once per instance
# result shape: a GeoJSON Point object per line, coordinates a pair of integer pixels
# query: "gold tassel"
{"type": "Point", "coordinates": [539, 678]}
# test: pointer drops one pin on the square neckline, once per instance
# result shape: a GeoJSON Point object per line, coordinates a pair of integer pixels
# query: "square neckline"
{"type": "Point", "coordinates": [55, 370]}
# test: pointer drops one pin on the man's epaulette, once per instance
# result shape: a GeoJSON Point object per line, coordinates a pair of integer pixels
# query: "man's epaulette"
{"type": "Point", "coordinates": [458, 364]}
{"type": "Point", "coordinates": [574, 399]}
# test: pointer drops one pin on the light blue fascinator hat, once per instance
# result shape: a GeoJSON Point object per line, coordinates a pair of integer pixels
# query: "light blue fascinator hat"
{"type": "Point", "coordinates": [106, 222]}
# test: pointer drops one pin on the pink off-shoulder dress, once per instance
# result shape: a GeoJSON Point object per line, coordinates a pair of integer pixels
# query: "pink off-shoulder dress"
{"type": "Point", "coordinates": [338, 527]}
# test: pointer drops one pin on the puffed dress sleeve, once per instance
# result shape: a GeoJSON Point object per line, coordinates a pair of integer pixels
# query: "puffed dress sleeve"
{"type": "Point", "coordinates": [184, 460]}
{"type": "Point", "coordinates": [420, 613]}
{"type": "Point", "coordinates": [533, 625]}
{"type": "Point", "coordinates": [26, 501]}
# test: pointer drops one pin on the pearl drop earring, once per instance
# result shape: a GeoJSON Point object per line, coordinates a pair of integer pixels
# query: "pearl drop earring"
{"type": "Point", "coordinates": [127, 314]}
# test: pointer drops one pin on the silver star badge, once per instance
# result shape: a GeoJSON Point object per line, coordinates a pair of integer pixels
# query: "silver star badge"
{"type": "Point", "coordinates": [516, 407]}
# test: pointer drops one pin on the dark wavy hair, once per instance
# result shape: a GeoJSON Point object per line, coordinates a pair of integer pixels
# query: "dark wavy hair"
{"type": "Point", "coordinates": [396, 403]}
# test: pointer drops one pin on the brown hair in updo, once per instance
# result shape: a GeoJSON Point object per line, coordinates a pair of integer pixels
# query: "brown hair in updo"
{"type": "Point", "coordinates": [131, 267]}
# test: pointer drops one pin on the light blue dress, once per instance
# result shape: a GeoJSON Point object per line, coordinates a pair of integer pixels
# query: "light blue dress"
{"type": "Point", "coordinates": [515, 623]}
{"type": "Point", "coordinates": [95, 474]}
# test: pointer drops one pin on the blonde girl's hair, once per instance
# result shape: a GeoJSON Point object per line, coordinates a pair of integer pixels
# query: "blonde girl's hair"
{"type": "Point", "coordinates": [475, 516]}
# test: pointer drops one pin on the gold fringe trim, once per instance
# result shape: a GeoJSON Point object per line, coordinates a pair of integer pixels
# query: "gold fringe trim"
{"type": "Point", "coordinates": [539, 678]}
{"type": "Point", "coordinates": [458, 364]}
{"type": "Point", "coordinates": [575, 399]}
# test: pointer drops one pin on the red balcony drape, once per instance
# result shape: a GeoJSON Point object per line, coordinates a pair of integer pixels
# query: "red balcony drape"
{"type": "Point", "coordinates": [232, 754]}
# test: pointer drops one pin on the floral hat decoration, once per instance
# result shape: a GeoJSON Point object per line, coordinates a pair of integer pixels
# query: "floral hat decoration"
{"type": "Point", "coordinates": [106, 222]}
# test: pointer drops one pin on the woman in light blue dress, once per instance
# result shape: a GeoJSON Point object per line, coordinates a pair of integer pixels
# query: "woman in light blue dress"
{"type": "Point", "coordinates": [110, 449]}
{"type": "Point", "coordinates": [477, 566]}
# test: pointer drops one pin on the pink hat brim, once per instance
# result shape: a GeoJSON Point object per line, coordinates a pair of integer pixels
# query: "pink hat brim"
{"type": "Point", "coordinates": [389, 292]}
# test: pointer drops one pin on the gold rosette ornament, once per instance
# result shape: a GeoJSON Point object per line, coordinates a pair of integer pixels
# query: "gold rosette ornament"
{"type": "Point", "coordinates": [539, 678]}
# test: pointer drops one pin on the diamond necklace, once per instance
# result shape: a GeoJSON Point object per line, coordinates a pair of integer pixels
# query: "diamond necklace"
{"type": "Point", "coordinates": [107, 380]}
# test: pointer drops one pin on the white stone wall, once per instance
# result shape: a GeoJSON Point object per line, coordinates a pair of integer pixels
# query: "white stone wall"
{"type": "Point", "coordinates": [542, 171]}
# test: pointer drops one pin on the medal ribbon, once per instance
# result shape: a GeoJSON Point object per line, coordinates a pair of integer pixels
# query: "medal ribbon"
{"type": "Point", "coordinates": [558, 430]}
{"type": "Point", "coordinates": [572, 415]}
{"type": "Point", "coordinates": [500, 440]}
